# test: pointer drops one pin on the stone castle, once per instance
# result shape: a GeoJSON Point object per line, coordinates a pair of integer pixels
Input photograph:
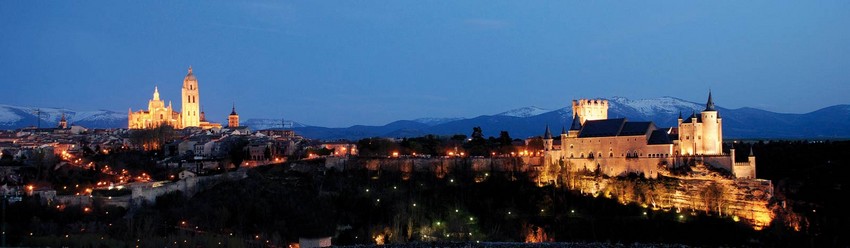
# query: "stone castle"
{"type": "Point", "coordinates": [618, 147]}
{"type": "Point", "coordinates": [190, 115]}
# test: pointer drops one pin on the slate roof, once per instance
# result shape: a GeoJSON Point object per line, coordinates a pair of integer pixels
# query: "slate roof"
{"type": "Point", "coordinates": [636, 128]}
{"type": "Point", "coordinates": [616, 127]}
{"type": "Point", "coordinates": [659, 136]}
{"type": "Point", "coordinates": [602, 128]}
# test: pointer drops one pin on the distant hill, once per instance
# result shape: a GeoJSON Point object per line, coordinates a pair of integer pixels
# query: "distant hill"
{"type": "Point", "coordinates": [13, 117]}
{"type": "Point", "coordinates": [829, 122]}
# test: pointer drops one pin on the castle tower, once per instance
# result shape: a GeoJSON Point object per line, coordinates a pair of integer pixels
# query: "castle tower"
{"type": "Point", "coordinates": [590, 109]}
{"type": "Point", "coordinates": [63, 123]}
{"type": "Point", "coordinates": [712, 138]}
{"type": "Point", "coordinates": [191, 101]}
{"type": "Point", "coordinates": [547, 139]}
{"type": "Point", "coordinates": [575, 128]}
{"type": "Point", "coordinates": [233, 118]}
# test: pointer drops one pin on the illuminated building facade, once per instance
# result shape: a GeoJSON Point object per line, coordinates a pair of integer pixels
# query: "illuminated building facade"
{"type": "Point", "coordinates": [618, 146]}
{"type": "Point", "coordinates": [159, 114]}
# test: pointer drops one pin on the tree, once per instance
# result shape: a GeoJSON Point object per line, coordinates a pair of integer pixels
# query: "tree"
{"type": "Point", "coordinates": [477, 146]}
{"type": "Point", "coordinates": [233, 150]}
{"type": "Point", "coordinates": [713, 197]}
{"type": "Point", "coordinates": [152, 139]}
{"type": "Point", "coordinates": [536, 144]}
{"type": "Point", "coordinates": [267, 153]}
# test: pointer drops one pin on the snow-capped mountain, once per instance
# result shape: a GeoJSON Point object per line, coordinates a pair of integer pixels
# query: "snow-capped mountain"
{"type": "Point", "coordinates": [436, 121]}
{"type": "Point", "coordinates": [12, 117]}
{"type": "Point", "coordinates": [524, 112]}
{"type": "Point", "coordinates": [260, 124]}
{"type": "Point", "coordinates": [662, 110]}
{"type": "Point", "coordinates": [829, 122]}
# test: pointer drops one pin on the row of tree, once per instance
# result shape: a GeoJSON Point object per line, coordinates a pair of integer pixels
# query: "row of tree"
{"type": "Point", "coordinates": [474, 145]}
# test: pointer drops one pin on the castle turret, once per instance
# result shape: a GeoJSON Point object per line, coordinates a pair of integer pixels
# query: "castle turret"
{"type": "Point", "coordinates": [547, 139]}
{"type": "Point", "coordinates": [680, 118]}
{"type": "Point", "coordinates": [711, 138]}
{"type": "Point", "coordinates": [575, 128]}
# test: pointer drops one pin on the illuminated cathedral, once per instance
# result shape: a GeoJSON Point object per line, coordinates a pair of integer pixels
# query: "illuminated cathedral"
{"type": "Point", "coordinates": [159, 114]}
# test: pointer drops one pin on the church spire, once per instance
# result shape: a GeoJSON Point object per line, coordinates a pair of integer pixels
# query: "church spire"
{"type": "Point", "coordinates": [233, 112]}
{"type": "Point", "coordinates": [156, 93]}
{"type": "Point", "coordinates": [709, 106]}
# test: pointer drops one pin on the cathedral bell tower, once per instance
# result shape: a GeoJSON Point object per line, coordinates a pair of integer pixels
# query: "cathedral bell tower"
{"type": "Point", "coordinates": [190, 102]}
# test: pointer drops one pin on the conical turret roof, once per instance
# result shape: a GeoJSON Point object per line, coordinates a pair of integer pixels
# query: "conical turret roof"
{"type": "Point", "coordinates": [548, 134]}
{"type": "Point", "coordinates": [576, 123]}
{"type": "Point", "coordinates": [709, 106]}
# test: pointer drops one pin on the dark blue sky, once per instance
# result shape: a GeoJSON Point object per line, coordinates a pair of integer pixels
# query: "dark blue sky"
{"type": "Point", "coordinates": [339, 63]}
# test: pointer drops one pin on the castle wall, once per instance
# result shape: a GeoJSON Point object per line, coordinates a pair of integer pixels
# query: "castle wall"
{"type": "Point", "coordinates": [720, 162]}
{"type": "Point", "coordinates": [744, 170]}
{"type": "Point", "coordinates": [649, 167]}
{"type": "Point", "coordinates": [614, 147]}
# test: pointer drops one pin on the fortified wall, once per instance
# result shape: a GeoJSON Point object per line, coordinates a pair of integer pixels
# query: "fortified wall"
{"type": "Point", "coordinates": [702, 189]}
{"type": "Point", "coordinates": [148, 192]}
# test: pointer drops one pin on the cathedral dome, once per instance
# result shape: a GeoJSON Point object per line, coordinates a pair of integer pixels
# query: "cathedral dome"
{"type": "Point", "coordinates": [190, 76]}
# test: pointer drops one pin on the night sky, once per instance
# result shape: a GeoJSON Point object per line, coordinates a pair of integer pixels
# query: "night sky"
{"type": "Point", "coordinates": [340, 63]}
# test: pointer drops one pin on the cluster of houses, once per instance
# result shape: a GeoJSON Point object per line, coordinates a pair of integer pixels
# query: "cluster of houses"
{"type": "Point", "coordinates": [195, 151]}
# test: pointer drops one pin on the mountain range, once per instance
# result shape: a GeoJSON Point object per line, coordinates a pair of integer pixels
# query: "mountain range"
{"type": "Point", "coordinates": [829, 122]}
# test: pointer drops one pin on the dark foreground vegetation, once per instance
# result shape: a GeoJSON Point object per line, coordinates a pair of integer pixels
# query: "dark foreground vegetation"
{"type": "Point", "coordinates": [277, 205]}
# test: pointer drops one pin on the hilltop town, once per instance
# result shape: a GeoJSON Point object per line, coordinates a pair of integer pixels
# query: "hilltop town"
{"type": "Point", "coordinates": [685, 171]}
